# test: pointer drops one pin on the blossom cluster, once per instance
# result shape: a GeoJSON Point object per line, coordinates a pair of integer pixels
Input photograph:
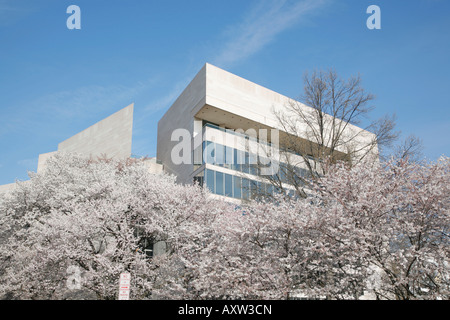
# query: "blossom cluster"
{"type": "Point", "coordinates": [372, 230]}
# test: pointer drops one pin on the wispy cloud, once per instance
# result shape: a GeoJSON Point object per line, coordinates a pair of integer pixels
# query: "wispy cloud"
{"type": "Point", "coordinates": [166, 99]}
{"type": "Point", "coordinates": [12, 11]}
{"type": "Point", "coordinates": [261, 26]}
{"type": "Point", "coordinates": [78, 101]}
{"type": "Point", "coordinates": [258, 28]}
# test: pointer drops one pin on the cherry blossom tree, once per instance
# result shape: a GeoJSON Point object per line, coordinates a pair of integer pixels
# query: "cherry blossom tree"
{"type": "Point", "coordinates": [395, 220]}
{"type": "Point", "coordinates": [81, 223]}
{"type": "Point", "coordinates": [275, 250]}
{"type": "Point", "coordinates": [371, 230]}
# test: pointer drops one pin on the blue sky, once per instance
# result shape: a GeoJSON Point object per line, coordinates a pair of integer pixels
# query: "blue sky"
{"type": "Point", "coordinates": [55, 82]}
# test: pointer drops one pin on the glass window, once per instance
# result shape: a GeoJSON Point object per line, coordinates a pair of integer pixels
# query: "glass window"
{"type": "Point", "coordinates": [245, 189]}
{"type": "Point", "coordinates": [210, 180]}
{"type": "Point", "coordinates": [254, 169]}
{"type": "Point", "coordinates": [283, 172]}
{"type": "Point", "coordinates": [253, 188]}
{"type": "Point", "coordinates": [229, 157]}
{"type": "Point", "coordinates": [253, 159]}
{"type": "Point", "coordinates": [246, 166]}
{"type": "Point", "coordinates": [228, 185]}
{"type": "Point", "coordinates": [210, 152]}
{"type": "Point", "coordinates": [219, 183]}
{"type": "Point", "coordinates": [220, 155]}
{"type": "Point", "coordinates": [203, 152]}
{"type": "Point", "coordinates": [263, 163]}
{"type": "Point", "coordinates": [269, 189]}
{"type": "Point", "coordinates": [237, 187]}
{"type": "Point", "coordinates": [238, 160]}
{"type": "Point", "coordinates": [197, 155]}
{"type": "Point", "coordinates": [261, 188]}
{"type": "Point", "coordinates": [212, 124]}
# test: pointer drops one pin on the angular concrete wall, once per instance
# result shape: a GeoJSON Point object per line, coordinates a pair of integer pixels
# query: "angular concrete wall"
{"type": "Point", "coordinates": [242, 97]}
{"type": "Point", "coordinates": [43, 157]}
{"type": "Point", "coordinates": [180, 116]}
{"type": "Point", "coordinates": [111, 136]}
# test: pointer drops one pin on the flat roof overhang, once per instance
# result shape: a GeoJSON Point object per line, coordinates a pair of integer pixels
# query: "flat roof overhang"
{"type": "Point", "coordinates": [233, 121]}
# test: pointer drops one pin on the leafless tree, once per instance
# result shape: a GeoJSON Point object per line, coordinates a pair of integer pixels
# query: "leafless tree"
{"type": "Point", "coordinates": [410, 148]}
{"type": "Point", "coordinates": [330, 124]}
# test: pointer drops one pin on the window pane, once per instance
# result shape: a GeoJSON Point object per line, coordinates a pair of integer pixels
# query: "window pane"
{"type": "Point", "coordinates": [228, 157]}
{"type": "Point", "coordinates": [254, 169]}
{"type": "Point", "coordinates": [253, 188]}
{"type": "Point", "coordinates": [210, 180]}
{"type": "Point", "coordinates": [245, 189]}
{"type": "Point", "coordinates": [269, 189]}
{"type": "Point", "coordinates": [220, 155]}
{"type": "Point", "coordinates": [252, 158]}
{"type": "Point", "coordinates": [283, 172]}
{"type": "Point", "coordinates": [210, 152]}
{"type": "Point", "coordinates": [237, 187]}
{"type": "Point", "coordinates": [261, 188]}
{"type": "Point", "coordinates": [197, 155]}
{"type": "Point", "coordinates": [219, 183]}
{"type": "Point", "coordinates": [246, 166]}
{"type": "Point", "coordinates": [228, 185]}
{"type": "Point", "coordinates": [203, 152]}
{"type": "Point", "coordinates": [238, 160]}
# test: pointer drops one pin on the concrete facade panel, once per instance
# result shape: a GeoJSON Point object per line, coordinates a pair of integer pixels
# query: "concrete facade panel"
{"type": "Point", "coordinates": [43, 157]}
{"type": "Point", "coordinates": [111, 136]}
{"type": "Point", "coordinates": [180, 116]}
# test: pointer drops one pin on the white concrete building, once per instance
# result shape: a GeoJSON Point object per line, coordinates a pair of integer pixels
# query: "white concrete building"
{"type": "Point", "coordinates": [206, 135]}
{"type": "Point", "coordinates": [213, 107]}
